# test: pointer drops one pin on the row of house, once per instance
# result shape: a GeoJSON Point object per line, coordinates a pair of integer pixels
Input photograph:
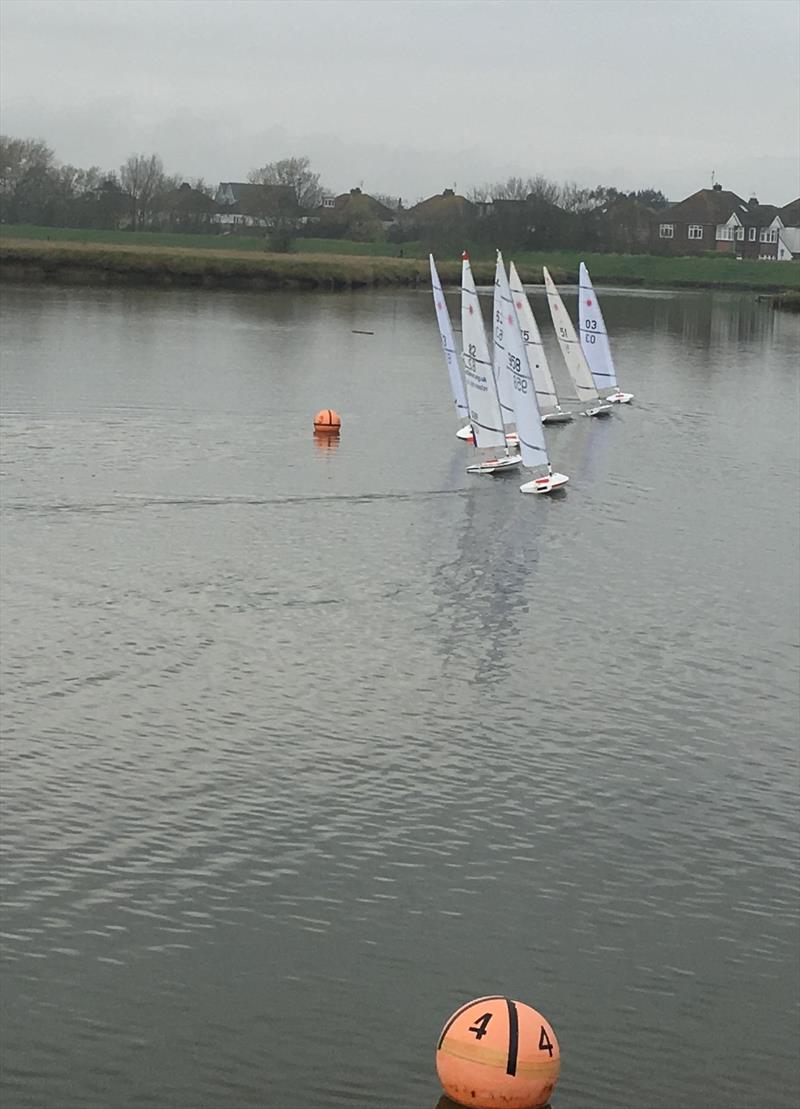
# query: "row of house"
{"type": "Point", "coordinates": [718, 220]}
{"type": "Point", "coordinates": [712, 219]}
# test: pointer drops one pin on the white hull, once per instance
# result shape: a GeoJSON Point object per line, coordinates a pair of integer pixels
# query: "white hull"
{"type": "Point", "coordinates": [496, 465]}
{"type": "Point", "coordinates": [465, 433]}
{"type": "Point", "coordinates": [619, 397]}
{"type": "Point", "coordinates": [547, 484]}
{"type": "Point", "coordinates": [557, 418]}
{"type": "Point", "coordinates": [598, 410]}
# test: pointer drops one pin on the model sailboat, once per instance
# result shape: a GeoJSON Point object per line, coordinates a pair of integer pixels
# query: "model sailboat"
{"type": "Point", "coordinates": [450, 354]}
{"type": "Point", "coordinates": [594, 340]}
{"type": "Point", "coordinates": [546, 396]}
{"type": "Point", "coordinates": [484, 402]}
{"type": "Point", "coordinates": [511, 353]}
{"type": "Point", "coordinates": [573, 352]}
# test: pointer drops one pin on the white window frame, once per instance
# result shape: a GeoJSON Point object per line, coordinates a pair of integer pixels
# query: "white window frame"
{"type": "Point", "coordinates": [695, 230]}
{"type": "Point", "coordinates": [752, 235]}
{"type": "Point", "coordinates": [329, 202]}
{"type": "Point", "coordinates": [739, 234]}
{"type": "Point", "coordinates": [724, 233]}
{"type": "Point", "coordinates": [666, 231]}
{"type": "Point", "coordinates": [768, 235]}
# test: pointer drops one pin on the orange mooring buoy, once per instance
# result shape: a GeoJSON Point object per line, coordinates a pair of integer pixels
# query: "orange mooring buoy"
{"type": "Point", "coordinates": [328, 422]}
{"type": "Point", "coordinates": [495, 1051]}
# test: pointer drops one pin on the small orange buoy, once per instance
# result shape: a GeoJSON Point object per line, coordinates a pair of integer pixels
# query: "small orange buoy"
{"type": "Point", "coordinates": [328, 422]}
{"type": "Point", "coordinates": [494, 1051]}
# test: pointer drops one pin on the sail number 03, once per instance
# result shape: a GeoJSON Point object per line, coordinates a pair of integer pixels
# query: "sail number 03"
{"type": "Point", "coordinates": [481, 1026]}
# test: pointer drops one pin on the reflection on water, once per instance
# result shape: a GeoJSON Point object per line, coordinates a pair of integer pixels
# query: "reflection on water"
{"type": "Point", "coordinates": [307, 741]}
{"type": "Point", "coordinates": [325, 442]}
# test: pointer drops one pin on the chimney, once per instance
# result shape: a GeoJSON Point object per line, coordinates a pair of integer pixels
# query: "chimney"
{"type": "Point", "coordinates": [717, 187]}
{"type": "Point", "coordinates": [752, 202]}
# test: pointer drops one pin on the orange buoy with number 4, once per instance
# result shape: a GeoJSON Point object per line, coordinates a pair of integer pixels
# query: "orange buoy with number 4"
{"type": "Point", "coordinates": [328, 422]}
{"type": "Point", "coordinates": [497, 1052]}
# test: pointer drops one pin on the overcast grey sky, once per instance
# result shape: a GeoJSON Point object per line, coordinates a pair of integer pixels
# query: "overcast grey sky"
{"type": "Point", "coordinates": [408, 97]}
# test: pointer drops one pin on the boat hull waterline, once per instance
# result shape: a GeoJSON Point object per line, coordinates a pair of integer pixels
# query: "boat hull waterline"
{"type": "Point", "coordinates": [547, 484]}
{"type": "Point", "coordinates": [496, 465]}
{"type": "Point", "coordinates": [466, 434]}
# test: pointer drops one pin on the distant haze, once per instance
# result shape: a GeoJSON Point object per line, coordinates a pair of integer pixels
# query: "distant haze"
{"type": "Point", "coordinates": [408, 98]}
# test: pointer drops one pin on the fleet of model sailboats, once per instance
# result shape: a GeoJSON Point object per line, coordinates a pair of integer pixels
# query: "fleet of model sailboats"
{"type": "Point", "coordinates": [509, 395]}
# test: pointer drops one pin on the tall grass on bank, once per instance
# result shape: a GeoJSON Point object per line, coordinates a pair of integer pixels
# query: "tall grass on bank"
{"type": "Point", "coordinates": [240, 261]}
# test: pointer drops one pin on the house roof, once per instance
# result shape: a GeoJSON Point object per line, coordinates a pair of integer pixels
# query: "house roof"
{"type": "Point", "coordinates": [705, 206]}
{"type": "Point", "coordinates": [758, 215]}
{"type": "Point", "coordinates": [626, 206]}
{"type": "Point", "coordinates": [447, 203]}
{"type": "Point", "coordinates": [189, 201]}
{"type": "Point", "coordinates": [790, 213]}
{"type": "Point", "coordinates": [348, 203]}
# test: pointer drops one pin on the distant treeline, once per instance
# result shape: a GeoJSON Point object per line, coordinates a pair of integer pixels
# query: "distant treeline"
{"type": "Point", "coordinates": [532, 213]}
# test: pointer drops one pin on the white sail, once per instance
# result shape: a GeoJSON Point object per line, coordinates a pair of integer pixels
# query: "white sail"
{"type": "Point", "coordinates": [517, 369]}
{"type": "Point", "coordinates": [505, 382]}
{"type": "Point", "coordinates": [448, 343]}
{"type": "Point", "coordinates": [594, 337]}
{"type": "Point", "coordinates": [484, 406]}
{"type": "Point", "coordinates": [570, 346]}
{"type": "Point", "coordinates": [537, 359]}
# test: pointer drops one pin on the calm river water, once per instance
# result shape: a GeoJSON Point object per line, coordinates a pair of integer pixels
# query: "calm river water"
{"type": "Point", "coordinates": [305, 747]}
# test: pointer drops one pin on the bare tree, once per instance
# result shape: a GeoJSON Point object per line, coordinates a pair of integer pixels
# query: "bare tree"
{"type": "Point", "coordinates": [294, 172]}
{"type": "Point", "coordinates": [19, 158]}
{"type": "Point", "coordinates": [142, 178]}
{"type": "Point", "coordinates": [542, 188]}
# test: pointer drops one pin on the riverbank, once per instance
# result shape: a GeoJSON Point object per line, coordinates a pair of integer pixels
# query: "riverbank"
{"type": "Point", "coordinates": [227, 262]}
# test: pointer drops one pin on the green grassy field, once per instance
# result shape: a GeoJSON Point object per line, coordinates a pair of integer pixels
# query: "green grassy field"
{"type": "Point", "coordinates": [337, 263]}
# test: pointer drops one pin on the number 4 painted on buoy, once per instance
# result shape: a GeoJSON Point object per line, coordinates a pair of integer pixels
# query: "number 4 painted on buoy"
{"type": "Point", "coordinates": [479, 1027]}
{"type": "Point", "coordinates": [544, 1042]}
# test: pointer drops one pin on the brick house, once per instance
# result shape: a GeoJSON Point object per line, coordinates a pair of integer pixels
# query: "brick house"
{"type": "Point", "coordinates": [690, 227]}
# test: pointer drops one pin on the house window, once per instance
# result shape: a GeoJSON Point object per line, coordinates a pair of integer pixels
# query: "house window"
{"type": "Point", "coordinates": [740, 233]}
{"type": "Point", "coordinates": [768, 236]}
{"type": "Point", "coordinates": [329, 202]}
{"type": "Point", "coordinates": [724, 233]}
{"type": "Point", "coordinates": [752, 234]}
{"type": "Point", "coordinates": [695, 231]}
{"type": "Point", "coordinates": [666, 230]}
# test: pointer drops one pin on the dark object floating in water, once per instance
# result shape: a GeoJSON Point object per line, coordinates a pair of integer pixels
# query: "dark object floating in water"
{"type": "Point", "coordinates": [355, 331]}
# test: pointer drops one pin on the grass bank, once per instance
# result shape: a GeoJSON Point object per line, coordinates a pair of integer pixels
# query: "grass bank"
{"type": "Point", "coordinates": [65, 262]}
{"type": "Point", "coordinates": [233, 261]}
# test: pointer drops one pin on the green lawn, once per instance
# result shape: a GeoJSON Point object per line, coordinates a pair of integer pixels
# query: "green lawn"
{"type": "Point", "coordinates": [629, 269]}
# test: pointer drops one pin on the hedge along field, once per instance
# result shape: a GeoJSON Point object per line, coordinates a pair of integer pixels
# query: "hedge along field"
{"type": "Point", "coordinates": [110, 263]}
{"type": "Point", "coordinates": [336, 263]}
